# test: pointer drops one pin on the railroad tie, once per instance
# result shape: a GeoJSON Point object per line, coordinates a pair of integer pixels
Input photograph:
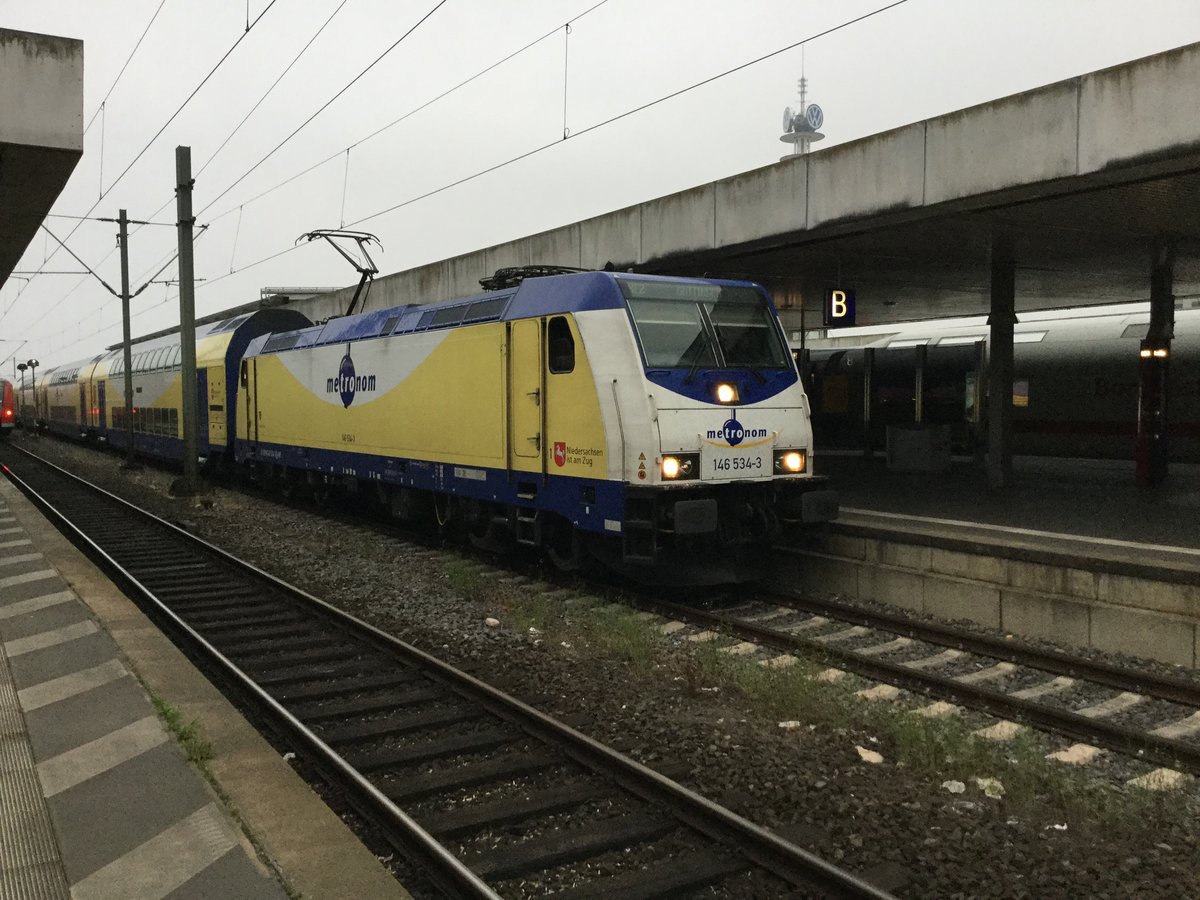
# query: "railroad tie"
{"type": "Point", "coordinates": [1076, 754]}
{"type": "Point", "coordinates": [1111, 706]}
{"type": "Point", "coordinates": [1179, 729]}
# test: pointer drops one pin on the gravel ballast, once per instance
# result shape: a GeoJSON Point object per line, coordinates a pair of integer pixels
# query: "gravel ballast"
{"type": "Point", "coordinates": [809, 782]}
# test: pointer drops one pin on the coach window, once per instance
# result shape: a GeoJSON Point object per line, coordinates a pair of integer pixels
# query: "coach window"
{"type": "Point", "coordinates": [561, 345]}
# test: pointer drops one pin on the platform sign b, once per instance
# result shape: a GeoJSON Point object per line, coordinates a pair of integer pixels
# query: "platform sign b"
{"type": "Point", "coordinates": [839, 308]}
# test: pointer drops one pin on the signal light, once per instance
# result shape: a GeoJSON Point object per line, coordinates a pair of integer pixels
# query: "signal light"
{"type": "Point", "coordinates": [726, 393]}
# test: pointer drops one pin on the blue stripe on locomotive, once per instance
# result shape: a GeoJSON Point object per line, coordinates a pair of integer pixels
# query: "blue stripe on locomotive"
{"type": "Point", "coordinates": [560, 494]}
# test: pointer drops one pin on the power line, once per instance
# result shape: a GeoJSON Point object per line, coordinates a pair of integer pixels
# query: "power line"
{"type": "Point", "coordinates": [627, 113]}
{"type": "Point", "coordinates": [409, 114]}
{"type": "Point", "coordinates": [263, 98]}
{"type": "Point", "coordinates": [327, 103]}
{"type": "Point", "coordinates": [188, 100]}
{"type": "Point", "coordinates": [112, 87]}
{"type": "Point", "coordinates": [337, 155]}
{"type": "Point", "coordinates": [556, 142]}
{"type": "Point", "coordinates": [259, 103]}
{"type": "Point", "coordinates": [104, 193]}
{"type": "Point", "coordinates": [560, 141]}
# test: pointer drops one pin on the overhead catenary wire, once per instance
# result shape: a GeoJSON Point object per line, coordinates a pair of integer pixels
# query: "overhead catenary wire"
{"type": "Point", "coordinates": [412, 112]}
{"type": "Point", "coordinates": [128, 60]}
{"type": "Point", "coordinates": [142, 152]}
{"type": "Point", "coordinates": [239, 208]}
{"type": "Point", "coordinates": [327, 103]}
{"type": "Point", "coordinates": [533, 151]}
{"type": "Point", "coordinates": [556, 142]}
{"type": "Point", "coordinates": [630, 112]}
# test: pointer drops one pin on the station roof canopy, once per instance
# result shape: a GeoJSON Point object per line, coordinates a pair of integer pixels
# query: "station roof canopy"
{"type": "Point", "coordinates": [1085, 175]}
{"type": "Point", "coordinates": [41, 132]}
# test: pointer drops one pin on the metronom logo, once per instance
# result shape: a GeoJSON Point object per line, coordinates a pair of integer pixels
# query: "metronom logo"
{"type": "Point", "coordinates": [347, 383]}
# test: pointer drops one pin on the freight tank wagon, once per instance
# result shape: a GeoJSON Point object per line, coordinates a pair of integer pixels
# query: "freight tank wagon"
{"type": "Point", "coordinates": [641, 420]}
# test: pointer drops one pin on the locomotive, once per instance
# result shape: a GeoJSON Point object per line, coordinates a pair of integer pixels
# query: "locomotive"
{"type": "Point", "coordinates": [655, 425]}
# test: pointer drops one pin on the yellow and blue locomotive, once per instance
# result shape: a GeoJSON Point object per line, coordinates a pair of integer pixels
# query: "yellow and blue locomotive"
{"type": "Point", "coordinates": [657, 424]}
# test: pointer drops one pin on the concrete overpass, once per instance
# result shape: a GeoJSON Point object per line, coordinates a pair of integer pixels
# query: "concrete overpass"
{"type": "Point", "coordinates": [41, 132]}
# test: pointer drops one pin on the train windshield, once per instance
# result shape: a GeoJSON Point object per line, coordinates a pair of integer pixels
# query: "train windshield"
{"type": "Point", "coordinates": [686, 325]}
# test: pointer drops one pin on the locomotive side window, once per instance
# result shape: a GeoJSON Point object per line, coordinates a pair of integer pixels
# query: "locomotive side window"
{"type": "Point", "coordinates": [561, 346]}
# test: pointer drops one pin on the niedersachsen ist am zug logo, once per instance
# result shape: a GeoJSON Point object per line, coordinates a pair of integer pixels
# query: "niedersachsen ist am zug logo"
{"type": "Point", "coordinates": [348, 382]}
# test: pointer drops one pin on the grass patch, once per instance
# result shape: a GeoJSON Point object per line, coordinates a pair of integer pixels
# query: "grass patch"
{"type": "Point", "coordinates": [619, 632]}
{"type": "Point", "coordinates": [465, 578]}
{"type": "Point", "coordinates": [190, 737]}
{"type": "Point", "coordinates": [934, 748]}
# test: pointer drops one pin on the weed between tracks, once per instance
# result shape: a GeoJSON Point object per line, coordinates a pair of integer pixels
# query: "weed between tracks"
{"type": "Point", "coordinates": [934, 748]}
{"type": "Point", "coordinates": [198, 750]}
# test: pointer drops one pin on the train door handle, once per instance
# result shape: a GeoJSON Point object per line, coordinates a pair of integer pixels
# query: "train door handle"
{"type": "Point", "coordinates": [536, 440]}
{"type": "Point", "coordinates": [537, 397]}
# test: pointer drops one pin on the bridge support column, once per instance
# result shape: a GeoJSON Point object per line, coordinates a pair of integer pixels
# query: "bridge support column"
{"type": "Point", "coordinates": [1000, 361]}
{"type": "Point", "coordinates": [1150, 452]}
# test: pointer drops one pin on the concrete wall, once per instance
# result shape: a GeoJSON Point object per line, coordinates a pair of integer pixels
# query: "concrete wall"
{"type": "Point", "coordinates": [1108, 127]}
{"type": "Point", "coordinates": [1067, 605]}
{"type": "Point", "coordinates": [41, 132]}
{"type": "Point", "coordinates": [41, 90]}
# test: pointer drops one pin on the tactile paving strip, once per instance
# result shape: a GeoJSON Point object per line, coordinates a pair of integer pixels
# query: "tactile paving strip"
{"type": "Point", "coordinates": [30, 868]}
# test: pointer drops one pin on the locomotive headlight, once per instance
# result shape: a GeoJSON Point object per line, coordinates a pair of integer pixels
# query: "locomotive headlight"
{"type": "Point", "coordinates": [680, 467]}
{"type": "Point", "coordinates": [727, 393]}
{"type": "Point", "coordinates": [790, 462]}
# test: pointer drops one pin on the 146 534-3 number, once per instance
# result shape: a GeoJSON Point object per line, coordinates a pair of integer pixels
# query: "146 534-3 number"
{"type": "Point", "coordinates": [737, 463]}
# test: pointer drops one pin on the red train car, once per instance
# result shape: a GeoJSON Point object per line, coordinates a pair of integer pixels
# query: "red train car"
{"type": "Point", "coordinates": [8, 407]}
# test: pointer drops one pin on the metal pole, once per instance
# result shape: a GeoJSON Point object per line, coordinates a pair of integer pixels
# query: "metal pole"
{"type": "Point", "coordinates": [187, 315]}
{"type": "Point", "coordinates": [868, 374]}
{"type": "Point", "coordinates": [1000, 361]}
{"type": "Point", "coordinates": [919, 385]}
{"type": "Point", "coordinates": [1150, 449]}
{"type": "Point", "coordinates": [127, 355]}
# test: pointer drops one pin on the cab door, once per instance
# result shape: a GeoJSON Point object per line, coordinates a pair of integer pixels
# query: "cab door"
{"type": "Point", "coordinates": [101, 406]}
{"type": "Point", "coordinates": [248, 371]}
{"type": "Point", "coordinates": [217, 431]}
{"type": "Point", "coordinates": [527, 394]}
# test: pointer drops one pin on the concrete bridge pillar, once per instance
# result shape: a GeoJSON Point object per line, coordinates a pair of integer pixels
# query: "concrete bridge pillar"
{"type": "Point", "coordinates": [1001, 320]}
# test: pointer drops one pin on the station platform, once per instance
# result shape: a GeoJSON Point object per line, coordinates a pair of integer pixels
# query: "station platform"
{"type": "Point", "coordinates": [1078, 502]}
{"type": "Point", "coordinates": [97, 799]}
{"type": "Point", "coordinates": [1073, 552]}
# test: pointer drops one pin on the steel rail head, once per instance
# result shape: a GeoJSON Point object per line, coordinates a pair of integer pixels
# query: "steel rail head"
{"type": "Point", "coordinates": [784, 859]}
{"type": "Point", "coordinates": [1166, 751]}
{"type": "Point", "coordinates": [446, 870]}
{"type": "Point", "coordinates": [1175, 690]}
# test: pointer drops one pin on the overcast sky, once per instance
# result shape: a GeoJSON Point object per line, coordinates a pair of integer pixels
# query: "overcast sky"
{"type": "Point", "coordinates": [917, 60]}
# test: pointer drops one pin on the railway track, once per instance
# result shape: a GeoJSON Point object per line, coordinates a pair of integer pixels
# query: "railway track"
{"type": "Point", "coordinates": [485, 795]}
{"type": "Point", "coordinates": [1149, 717]}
